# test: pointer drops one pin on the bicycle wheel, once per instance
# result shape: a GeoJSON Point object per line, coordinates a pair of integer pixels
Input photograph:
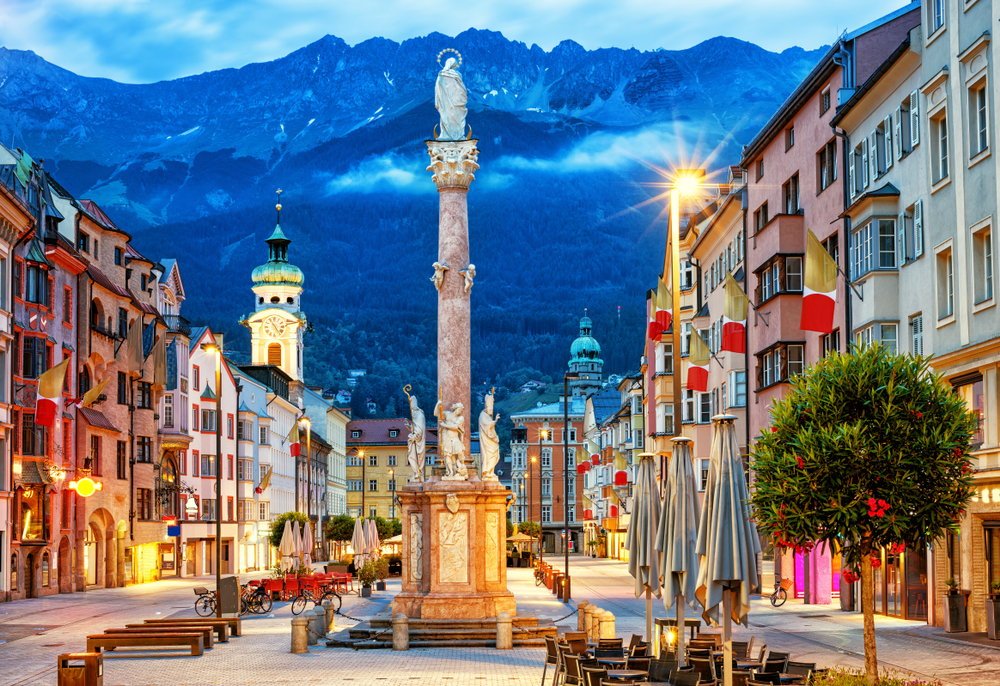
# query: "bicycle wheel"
{"type": "Point", "coordinates": [779, 597]}
{"type": "Point", "coordinates": [204, 606]}
{"type": "Point", "coordinates": [263, 604]}
{"type": "Point", "coordinates": [299, 604]}
{"type": "Point", "coordinates": [334, 599]}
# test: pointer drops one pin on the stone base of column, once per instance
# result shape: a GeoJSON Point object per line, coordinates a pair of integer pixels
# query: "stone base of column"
{"type": "Point", "coordinates": [454, 551]}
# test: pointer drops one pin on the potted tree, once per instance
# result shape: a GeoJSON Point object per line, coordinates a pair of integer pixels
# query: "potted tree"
{"type": "Point", "coordinates": [592, 544]}
{"type": "Point", "coordinates": [993, 612]}
{"type": "Point", "coordinates": [367, 576]}
{"type": "Point", "coordinates": [381, 572]}
{"type": "Point", "coordinates": [955, 620]}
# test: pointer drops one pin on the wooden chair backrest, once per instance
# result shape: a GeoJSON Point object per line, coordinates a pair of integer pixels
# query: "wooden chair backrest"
{"type": "Point", "coordinates": [593, 677]}
{"type": "Point", "coordinates": [800, 667]}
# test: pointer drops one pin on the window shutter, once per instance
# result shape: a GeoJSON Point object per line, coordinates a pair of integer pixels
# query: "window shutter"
{"type": "Point", "coordinates": [888, 142]}
{"type": "Point", "coordinates": [918, 228]}
{"type": "Point", "coordinates": [873, 154]}
{"type": "Point", "coordinates": [781, 355]}
{"type": "Point", "coordinates": [914, 120]}
{"type": "Point", "coordinates": [901, 239]}
{"type": "Point", "coordinates": [851, 178]}
{"type": "Point", "coordinates": [864, 163]}
{"type": "Point", "coordinates": [760, 373]}
{"type": "Point", "coordinates": [757, 290]}
{"type": "Point", "coordinates": [898, 133]}
{"type": "Point", "coordinates": [918, 335]}
{"type": "Point", "coordinates": [780, 283]}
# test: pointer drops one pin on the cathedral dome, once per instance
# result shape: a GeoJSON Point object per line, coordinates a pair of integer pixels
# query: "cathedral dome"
{"type": "Point", "coordinates": [585, 348]}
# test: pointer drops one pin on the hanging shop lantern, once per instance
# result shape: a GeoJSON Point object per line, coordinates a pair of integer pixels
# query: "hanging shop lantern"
{"type": "Point", "coordinates": [86, 486]}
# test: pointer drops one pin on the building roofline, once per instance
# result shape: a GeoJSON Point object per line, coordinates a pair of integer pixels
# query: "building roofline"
{"type": "Point", "coordinates": [868, 85]}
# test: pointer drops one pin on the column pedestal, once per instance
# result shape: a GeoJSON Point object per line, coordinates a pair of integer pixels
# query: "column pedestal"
{"type": "Point", "coordinates": [454, 542]}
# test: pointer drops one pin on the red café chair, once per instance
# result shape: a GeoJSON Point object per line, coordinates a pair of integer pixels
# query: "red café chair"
{"type": "Point", "coordinates": [291, 586]}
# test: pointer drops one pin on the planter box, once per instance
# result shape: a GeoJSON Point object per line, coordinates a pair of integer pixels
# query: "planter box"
{"type": "Point", "coordinates": [366, 591]}
{"type": "Point", "coordinates": [379, 585]}
{"type": "Point", "coordinates": [955, 618]}
{"type": "Point", "coordinates": [993, 618]}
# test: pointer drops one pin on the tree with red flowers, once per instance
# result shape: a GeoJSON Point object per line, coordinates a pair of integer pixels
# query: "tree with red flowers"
{"type": "Point", "coordinates": [866, 451]}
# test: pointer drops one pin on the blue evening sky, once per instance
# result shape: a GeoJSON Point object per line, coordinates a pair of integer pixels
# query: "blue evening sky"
{"type": "Point", "coordinates": [142, 40]}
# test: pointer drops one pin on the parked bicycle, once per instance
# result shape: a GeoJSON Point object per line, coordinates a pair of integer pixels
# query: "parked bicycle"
{"type": "Point", "coordinates": [539, 575]}
{"type": "Point", "coordinates": [254, 600]}
{"type": "Point", "coordinates": [780, 594]}
{"type": "Point", "coordinates": [205, 604]}
{"type": "Point", "coordinates": [307, 595]}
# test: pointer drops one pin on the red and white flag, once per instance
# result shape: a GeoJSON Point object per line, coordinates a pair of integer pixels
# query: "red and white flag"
{"type": "Point", "coordinates": [295, 448]}
{"type": "Point", "coordinates": [698, 360]}
{"type": "Point", "coordinates": [734, 317]}
{"type": "Point", "coordinates": [819, 295]}
{"type": "Point", "coordinates": [659, 312]}
{"type": "Point", "coordinates": [50, 388]}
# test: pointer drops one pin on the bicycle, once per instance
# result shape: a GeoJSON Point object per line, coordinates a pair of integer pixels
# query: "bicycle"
{"type": "Point", "coordinates": [259, 601]}
{"type": "Point", "coordinates": [306, 595]}
{"type": "Point", "coordinates": [205, 604]}
{"type": "Point", "coordinates": [780, 594]}
{"type": "Point", "coordinates": [539, 575]}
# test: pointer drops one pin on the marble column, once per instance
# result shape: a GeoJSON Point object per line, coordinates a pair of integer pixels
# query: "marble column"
{"type": "Point", "coordinates": [453, 164]}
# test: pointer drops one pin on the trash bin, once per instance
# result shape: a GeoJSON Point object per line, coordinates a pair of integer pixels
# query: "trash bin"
{"type": "Point", "coordinates": [229, 597]}
{"type": "Point", "coordinates": [81, 669]}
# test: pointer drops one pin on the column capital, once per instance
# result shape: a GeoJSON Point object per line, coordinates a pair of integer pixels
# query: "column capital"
{"type": "Point", "coordinates": [453, 163]}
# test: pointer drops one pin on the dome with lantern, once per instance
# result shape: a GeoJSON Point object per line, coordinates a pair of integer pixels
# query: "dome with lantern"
{"type": "Point", "coordinates": [277, 271]}
{"type": "Point", "coordinates": [585, 348]}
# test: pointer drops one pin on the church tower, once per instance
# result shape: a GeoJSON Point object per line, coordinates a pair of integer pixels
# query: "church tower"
{"type": "Point", "coordinates": [277, 324]}
{"type": "Point", "coordinates": [585, 360]}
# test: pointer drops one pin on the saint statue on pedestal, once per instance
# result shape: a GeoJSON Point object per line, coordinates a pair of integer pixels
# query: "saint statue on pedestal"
{"type": "Point", "coordinates": [451, 432]}
{"type": "Point", "coordinates": [489, 442]}
{"type": "Point", "coordinates": [450, 99]}
{"type": "Point", "coordinates": [416, 444]}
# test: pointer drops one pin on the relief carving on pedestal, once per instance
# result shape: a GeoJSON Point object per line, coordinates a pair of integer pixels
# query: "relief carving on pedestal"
{"type": "Point", "coordinates": [416, 547]}
{"type": "Point", "coordinates": [492, 546]}
{"type": "Point", "coordinates": [453, 544]}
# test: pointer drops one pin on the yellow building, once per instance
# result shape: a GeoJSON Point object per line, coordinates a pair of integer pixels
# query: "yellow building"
{"type": "Point", "coordinates": [376, 465]}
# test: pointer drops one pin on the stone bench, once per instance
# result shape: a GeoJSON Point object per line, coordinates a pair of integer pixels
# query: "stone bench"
{"type": "Point", "coordinates": [98, 642]}
{"type": "Point", "coordinates": [233, 622]}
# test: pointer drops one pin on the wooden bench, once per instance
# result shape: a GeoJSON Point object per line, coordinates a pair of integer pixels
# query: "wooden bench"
{"type": "Point", "coordinates": [98, 642]}
{"type": "Point", "coordinates": [219, 626]}
{"type": "Point", "coordinates": [233, 622]}
{"type": "Point", "coordinates": [205, 631]}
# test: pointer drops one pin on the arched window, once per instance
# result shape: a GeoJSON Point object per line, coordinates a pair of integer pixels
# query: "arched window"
{"type": "Point", "coordinates": [275, 300]}
{"type": "Point", "coordinates": [274, 354]}
{"type": "Point", "coordinates": [13, 571]}
{"type": "Point", "coordinates": [291, 301]}
{"type": "Point", "coordinates": [261, 301]}
{"type": "Point", "coordinates": [45, 569]}
{"type": "Point", "coordinates": [168, 477]}
{"type": "Point", "coordinates": [84, 381]}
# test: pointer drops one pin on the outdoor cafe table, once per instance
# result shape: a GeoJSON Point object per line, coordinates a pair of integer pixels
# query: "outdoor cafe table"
{"type": "Point", "coordinates": [611, 661]}
{"type": "Point", "coordinates": [626, 673]}
{"type": "Point", "coordinates": [692, 622]}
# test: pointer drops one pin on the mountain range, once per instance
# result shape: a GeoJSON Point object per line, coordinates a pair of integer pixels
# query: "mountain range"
{"type": "Point", "coordinates": [571, 143]}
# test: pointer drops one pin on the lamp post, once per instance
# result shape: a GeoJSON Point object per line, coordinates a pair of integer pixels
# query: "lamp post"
{"type": "Point", "coordinates": [685, 182]}
{"type": "Point", "coordinates": [212, 347]}
{"type": "Point", "coordinates": [527, 477]}
{"type": "Point", "coordinates": [566, 378]}
{"type": "Point", "coordinates": [391, 488]}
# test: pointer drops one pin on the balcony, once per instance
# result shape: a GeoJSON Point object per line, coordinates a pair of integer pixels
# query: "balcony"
{"type": "Point", "coordinates": [177, 324]}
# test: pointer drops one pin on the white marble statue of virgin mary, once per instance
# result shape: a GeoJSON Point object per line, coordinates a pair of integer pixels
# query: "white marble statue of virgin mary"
{"type": "Point", "coordinates": [450, 99]}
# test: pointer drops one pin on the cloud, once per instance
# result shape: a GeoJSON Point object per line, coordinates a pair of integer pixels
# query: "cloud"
{"type": "Point", "coordinates": [388, 172]}
{"type": "Point", "coordinates": [148, 40]}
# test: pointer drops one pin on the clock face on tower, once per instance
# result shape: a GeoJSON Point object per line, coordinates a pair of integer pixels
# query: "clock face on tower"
{"type": "Point", "coordinates": [274, 326]}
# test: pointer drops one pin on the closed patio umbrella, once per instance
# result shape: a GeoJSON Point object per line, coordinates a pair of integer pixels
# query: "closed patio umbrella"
{"type": "Point", "coordinates": [297, 538]}
{"type": "Point", "coordinates": [287, 546]}
{"type": "Point", "coordinates": [358, 543]}
{"type": "Point", "coordinates": [307, 545]}
{"type": "Point", "coordinates": [643, 562]}
{"type": "Point", "coordinates": [727, 539]}
{"type": "Point", "coordinates": [374, 545]}
{"type": "Point", "coordinates": [677, 535]}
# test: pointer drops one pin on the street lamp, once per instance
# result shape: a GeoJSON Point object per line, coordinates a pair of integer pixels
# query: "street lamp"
{"type": "Point", "coordinates": [392, 504]}
{"type": "Point", "coordinates": [527, 477]}
{"type": "Point", "coordinates": [304, 424]}
{"type": "Point", "coordinates": [566, 378]}
{"type": "Point", "coordinates": [685, 182]}
{"type": "Point", "coordinates": [213, 348]}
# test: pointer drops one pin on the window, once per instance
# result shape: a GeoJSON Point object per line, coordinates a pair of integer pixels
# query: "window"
{"type": "Point", "coordinates": [546, 486]}
{"type": "Point", "coordinates": [393, 433]}
{"type": "Point", "coordinates": [978, 119]}
{"type": "Point", "coordinates": [796, 359]}
{"type": "Point", "coordinates": [917, 334]}
{"type": "Point", "coordinates": [264, 512]}
{"type": "Point", "coordinates": [355, 434]}
{"type": "Point", "coordinates": [945, 284]}
{"type": "Point", "coordinates": [208, 465]}
{"type": "Point", "coordinates": [760, 218]}
{"type": "Point", "coordinates": [354, 484]}
{"type": "Point", "coordinates": [826, 163]}
{"type": "Point", "coordinates": [793, 273]}
{"type": "Point", "coordinates": [143, 449]}
{"type": "Point", "coordinates": [970, 389]}
{"type": "Point", "coordinates": [685, 338]}
{"type": "Point", "coordinates": [83, 243]}
{"type": "Point", "coordinates": [789, 137]}
{"type": "Point", "coordinates": [196, 378]}
{"type": "Point", "coordinates": [244, 470]}
{"type": "Point", "coordinates": [144, 503]}
{"type": "Point", "coordinates": [263, 435]}
{"type": "Point", "coordinates": [373, 484]}
{"type": "Point", "coordinates": [704, 408]}
{"type": "Point", "coordinates": [953, 540]}
{"type": "Point", "coordinates": [703, 474]}
{"type": "Point", "coordinates": [665, 419]}
{"type": "Point", "coordinates": [37, 286]}
{"type": "Point", "coordinates": [861, 251]}
{"type": "Point", "coordinates": [392, 485]}
{"type": "Point", "coordinates": [35, 356]}
{"type": "Point", "coordinates": [687, 406]}
{"type": "Point", "coordinates": [45, 569]}
{"type": "Point", "coordinates": [244, 430]}
{"type": "Point", "coordinates": [229, 508]}
{"type": "Point", "coordinates": [373, 460]}
{"type": "Point", "coordinates": [93, 460]}
{"type": "Point", "coordinates": [353, 460]}
{"type": "Point", "coordinates": [229, 467]}
{"type": "Point", "coordinates": [122, 322]}
{"type": "Point", "coordinates": [144, 400]}
{"type": "Point", "coordinates": [208, 420]}
{"type": "Point", "coordinates": [207, 507]}
{"type": "Point", "coordinates": [121, 459]}
{"type": "Point", "coordinates": [687, 275]}
{"type": "Point", "coordinates": [392, 460]}
{"type": "Point", "coordinates": [118, 256]}
{"type": "Point", "coordinates": [982, 264]}
{"type": "Point", "coordinates": [195, 461]}
{"type": "Point", "coordinates": [935, 19]}
{"type": "Point", "coordinates": [939, 156]}
{"type": "Point", "coordinates": [780, 273]}
{"type": "Point", "coordinates": [790, 195]}
{"type": "Point", "coordinates": [760, 168]}
{"type": "Point", "coordinates": [168, 411]}
{"type": "Point", "coordinates": [831, 343]}
{"type": "Point", "coordinates": [737, 388]}
{"type": "Point", "coordinates": [546, 514]}
{"type": "Point", "coordinates": [824, 100]}
{"type": "Point", "coordinates": [229, 426]}
{"type": "Point", "coordinates": [887, 244]}
{"type": "Point", "coordinates": [274, 354]}
{"type": "Point", "coordinates": [547, 457]}
{"type": "Point", "coordinates": [888, 336]}
{"type": "Point", "coordinates": [372, 511]}
{"type": "Point", "coordinates": [34, 438]}
{"type": "Point", "coordinates": [68, 305]}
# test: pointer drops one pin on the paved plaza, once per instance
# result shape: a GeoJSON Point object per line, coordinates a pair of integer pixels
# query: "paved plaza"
{"type": "Point", "coordinates": [36, 631]}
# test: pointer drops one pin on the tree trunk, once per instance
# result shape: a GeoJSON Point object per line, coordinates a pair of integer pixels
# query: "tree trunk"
{"type": "Point", "coordinates": [868, 608]}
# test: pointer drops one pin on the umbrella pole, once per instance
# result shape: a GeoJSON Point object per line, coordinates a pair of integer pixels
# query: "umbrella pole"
{"type": "Point", "coordinates": [680, 631]}
{"type": "Point", "coordinates": [727, 638]}
{"type": "Point", "coordinates": [649, 615]}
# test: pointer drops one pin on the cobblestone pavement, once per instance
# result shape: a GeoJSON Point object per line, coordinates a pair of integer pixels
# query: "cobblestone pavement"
{"type": "Point", "coordinates": [38, 630]}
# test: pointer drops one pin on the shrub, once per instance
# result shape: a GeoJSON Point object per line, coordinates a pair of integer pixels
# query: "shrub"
{"type": "Point", "coordinates": [532, 529]}
{"type": "Point", "coordinates": [340, 528]}
{"type": "Point", "coordinates": [839, 676]}
{"type": "Point", "coordinates": [368, 573]}
{"type": "Point", "coordinates": [381, 567]}
{"type": "Point", "coordinates": [278, 526]}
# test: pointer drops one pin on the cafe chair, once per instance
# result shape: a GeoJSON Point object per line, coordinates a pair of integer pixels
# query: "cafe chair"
{"type": "Point", "coordinates": [741, 649]}
{"type": "Point", "coordinates": [593, 677]}
{"type": "Point", "coordinates": [572, 663]}
{"type": "Point", "coordinates": [768, 678]}
{"type": "Point", "coordinates": [551, 656]}
{"type": "Point", "coordinates": [704, 667]}
{"type": "Point", "coordinates": [686, 679]}
{"type": "Point", "coordinates": [741, 678]}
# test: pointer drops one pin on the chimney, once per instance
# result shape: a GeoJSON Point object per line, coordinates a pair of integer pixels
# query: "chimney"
{"type": "Point", "coordinates": [218, 342]}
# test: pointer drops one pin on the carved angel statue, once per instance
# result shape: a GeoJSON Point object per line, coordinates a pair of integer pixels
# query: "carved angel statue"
{"type": "Point", "coordinates": [450, 99]}
{"type": "Point", "coordinates": [451, 432]}
{"type": "Point", "coordinates": [469, 273]}
{"type": "Point", "coordinates": [439, 270]}
{"type": "Point", "coordinates": [416, 443]}
{"type": "Point", "coordinates": [489, 442]}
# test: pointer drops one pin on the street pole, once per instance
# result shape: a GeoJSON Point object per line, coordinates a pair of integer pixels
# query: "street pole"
{"type": "Point", "coordinates": [675, 305]}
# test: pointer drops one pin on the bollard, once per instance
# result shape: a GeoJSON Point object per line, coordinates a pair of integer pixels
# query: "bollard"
{"type": "Point", "coordinates": [319, 624]}
{"type": "Point", "coordinates": [400, 632]}
{"type": "Point", "coordinates": [331, 617]}
{"type": "Point", "coordinates": [300, 635]}
{"type": "Point", "coordinates": [607, 625]}
{"type": "Point", "coordinates": [581, 609]}
{"type": "Point", "coordinates": [557, 584]}
{"type": "Point", "coordinates": [310, 618]}
{"type": "Point", "coordinates": [505, 631]}
{"type": "Point", "coordinates": [595, 621]}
